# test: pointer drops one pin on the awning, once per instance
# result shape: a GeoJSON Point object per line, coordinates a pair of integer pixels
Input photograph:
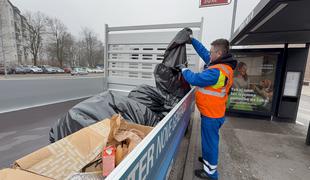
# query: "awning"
{"type": "Point", "coordinates": [275, 22]}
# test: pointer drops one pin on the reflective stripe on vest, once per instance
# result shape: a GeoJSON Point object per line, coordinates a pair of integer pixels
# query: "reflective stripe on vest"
{"type": "Point", "coordinates": [213, 93]}
{"type": "Point", "coordinates": [225, 69]}
{"type": "Point", "coordinates": [220, 83]}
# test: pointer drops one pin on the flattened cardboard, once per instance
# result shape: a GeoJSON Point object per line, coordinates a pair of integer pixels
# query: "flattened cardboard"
{"type": "Point", "coordinates": [69, 155]}
{"type": "Point", "coordinates": [16, 174]}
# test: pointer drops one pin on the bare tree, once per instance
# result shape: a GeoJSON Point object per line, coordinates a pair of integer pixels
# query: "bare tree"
{"type": "Point", "coordinates": [59, 35]}
{"type": "Point", "coordinates": [36, 28]}
{"type": "Point", "coordinates": [92, 46]}
{"type": "Point", "coordinates": [70, 50]}
{"type": "Point", "coordinates": [99, 54]}
{"type": "Point", "coordinates": [80, 54]}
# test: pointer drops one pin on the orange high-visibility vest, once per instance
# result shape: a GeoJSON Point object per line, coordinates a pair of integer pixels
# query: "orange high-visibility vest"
{"type": "Point", "coordinates": [211, 100]}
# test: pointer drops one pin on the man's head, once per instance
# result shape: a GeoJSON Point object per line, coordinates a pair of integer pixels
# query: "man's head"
{"type": "Point", "coordinates": [219, 48]}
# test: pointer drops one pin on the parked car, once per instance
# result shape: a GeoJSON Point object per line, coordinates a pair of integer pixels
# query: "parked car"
{"type": "Point", "coordinates": [34, 69]}
{"type": "Point", "coordinates": [8, 69]}
{"type": "Point", "coordinates": [67, 70]}
{"type": "Point", "coordinates": [47, 69]}
{"type": "Point", "coordinates": [59, 70]}
{"type": "Point", "coordinates": [98, 70]}
{"type": "Point", "coordinates": [90, 70]}
{"type": "Point", "coordinates": [26, 68]}
{"type": "Point", "coordinates": [79, 71]}
{"type": "Point", "coordinates": [100, 66]}
{"type": "Point", "coordinates": [19, 70]}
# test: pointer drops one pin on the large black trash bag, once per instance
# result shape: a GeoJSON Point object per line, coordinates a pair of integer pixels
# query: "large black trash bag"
{"type": "Point", "coordinates": [170, 84]}
{"type": "Point", "coordinates": [168, 79]}
{"type": "Point", "coordinates": [175, 53]}
{"type": "Point", "coordinates": [99, 107]}
{"type": "Point", "coordinates": [150, 97]}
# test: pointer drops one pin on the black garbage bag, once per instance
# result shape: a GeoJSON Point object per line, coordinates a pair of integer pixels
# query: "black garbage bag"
{"type": "Point", "coordinates": [150, 97]}
{"type": "Point", "coordinates": [168, 79]}
{"type": "Point", "coordinates": [99, 107]}
{"type": "Point", "coordinates": [171, 87]}
{"type": "Point", "coordinates": [175, 53]}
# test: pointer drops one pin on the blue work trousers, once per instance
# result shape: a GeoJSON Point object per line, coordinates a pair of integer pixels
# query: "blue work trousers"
{"type": "Point", "coordinates": [210, 144]}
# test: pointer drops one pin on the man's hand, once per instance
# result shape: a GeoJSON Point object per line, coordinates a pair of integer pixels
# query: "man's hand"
{"type": "Point", "coordinates": [181, 66]}
{"type": "Point", "coordinates": [189, 41]}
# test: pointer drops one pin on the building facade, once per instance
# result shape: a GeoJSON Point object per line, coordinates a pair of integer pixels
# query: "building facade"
{"type": "Point", "coordinates": [14, 35]}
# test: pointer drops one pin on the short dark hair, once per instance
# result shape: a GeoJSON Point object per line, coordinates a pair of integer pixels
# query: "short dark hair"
{"type": "Point", "coordinates": [222, 44]}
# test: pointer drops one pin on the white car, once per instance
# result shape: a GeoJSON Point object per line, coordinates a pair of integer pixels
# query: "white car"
{"type": "Point", "coordinates": [35, 69]}
{"type": "Point", "coordinates": [79, 71]}
{"type": "Point", "coordinates": [90, 70]}
{"type": "Point", "coordinates": [98, 70]}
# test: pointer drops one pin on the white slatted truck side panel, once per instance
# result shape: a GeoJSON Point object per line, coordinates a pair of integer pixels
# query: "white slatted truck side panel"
{"type": "Point", "coordinates": [131, 56]}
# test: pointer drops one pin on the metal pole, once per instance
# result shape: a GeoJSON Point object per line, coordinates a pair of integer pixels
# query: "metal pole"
{"type": "Point", "coordinates": [308, 136]}
{"type": "Point", "coordinates": [106, 50]}
{"type": "Point", "coordinates": [233, 18]}
{"type": "Point", "coordinates": [308, 133]}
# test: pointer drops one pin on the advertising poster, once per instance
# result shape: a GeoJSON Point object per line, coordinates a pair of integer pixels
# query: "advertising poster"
{"type": "Point", "coordinates": [253, 86]}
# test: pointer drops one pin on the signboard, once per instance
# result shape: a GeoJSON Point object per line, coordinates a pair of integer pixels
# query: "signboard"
{"type": "Point", "coordinates": [253, 86]}
{"type": "Point", "coordinates": [208, 3]}
{"type": "Point", "coordinates": [152, 158]}
{"type": "Point", "coordinates": [291, 84]}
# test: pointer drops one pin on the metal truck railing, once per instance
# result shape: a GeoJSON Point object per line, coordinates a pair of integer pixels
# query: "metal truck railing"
{"type": "Point", "coordinates": [132, 52]}
{"type": "Point", "coordinates": [131, 56]}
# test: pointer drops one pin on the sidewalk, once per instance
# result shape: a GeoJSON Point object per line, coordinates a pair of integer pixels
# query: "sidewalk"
{"type": "Point", "coordinates": [252, 149]}
{"type": "Point", "coordinates": [305, 90]}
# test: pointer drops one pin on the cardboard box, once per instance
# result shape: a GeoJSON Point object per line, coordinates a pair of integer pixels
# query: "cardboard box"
{"type": "Point", "coordinates": [16, 174]}
{"type": "Point", "coordinates": [122, 134]}
{"type": "Point", "coordinates": [69, 155]}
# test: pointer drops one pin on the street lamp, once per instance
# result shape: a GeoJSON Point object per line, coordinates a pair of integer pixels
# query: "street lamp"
{"type": "Point", "coordinates": [233, 18]}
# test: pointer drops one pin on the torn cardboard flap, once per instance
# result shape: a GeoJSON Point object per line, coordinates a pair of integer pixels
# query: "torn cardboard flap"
{"type": "Point", "coordinates": [69, 155]}
{"type": "Point", "coordinates": [123, 135]}
{"type": "Point", "coordinates": [131, 133]}
{"type": "Point", "coordinates": [119, 126]}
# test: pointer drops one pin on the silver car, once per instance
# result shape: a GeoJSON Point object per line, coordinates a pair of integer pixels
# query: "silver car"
{"type": "Point", "coordinates": [79, 71]}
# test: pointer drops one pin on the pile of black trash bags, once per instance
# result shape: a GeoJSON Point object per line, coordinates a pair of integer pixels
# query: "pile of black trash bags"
{"type": "Point", "coordinates": [144, 105]}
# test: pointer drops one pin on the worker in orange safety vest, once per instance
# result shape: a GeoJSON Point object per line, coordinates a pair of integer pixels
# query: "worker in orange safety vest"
{"type": "Point", "coordinates": [212, 88]}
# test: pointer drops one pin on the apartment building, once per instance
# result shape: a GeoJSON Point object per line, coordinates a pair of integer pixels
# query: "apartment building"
{"type": "Point", "coordinates": [14, 34]}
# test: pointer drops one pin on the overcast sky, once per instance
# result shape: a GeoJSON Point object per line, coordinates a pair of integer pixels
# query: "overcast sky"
{"type": "Point", "coordinates": [95, 13]}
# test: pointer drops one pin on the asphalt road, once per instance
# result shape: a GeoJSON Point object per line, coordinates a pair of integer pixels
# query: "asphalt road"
{"type": "Point", "coordinates": [24, 131]}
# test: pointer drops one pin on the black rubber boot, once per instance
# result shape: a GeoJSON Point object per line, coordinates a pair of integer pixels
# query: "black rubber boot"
{"type": "Point", "coordinates": [200, 173]}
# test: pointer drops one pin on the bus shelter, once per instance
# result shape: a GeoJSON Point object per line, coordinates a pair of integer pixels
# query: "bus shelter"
{"type": "Point", "coordinates": [272, 47]}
